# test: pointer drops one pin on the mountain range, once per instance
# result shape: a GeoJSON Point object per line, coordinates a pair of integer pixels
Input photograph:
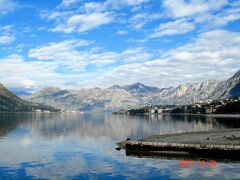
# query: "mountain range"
{"type": "Point", "coordinates": [136, 95]}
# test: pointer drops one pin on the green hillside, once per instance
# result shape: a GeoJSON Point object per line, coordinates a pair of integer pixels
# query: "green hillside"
{"type": "Point", "coordinates": [9, 102]}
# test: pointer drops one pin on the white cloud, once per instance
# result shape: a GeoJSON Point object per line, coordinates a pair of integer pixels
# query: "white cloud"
{"type": "Point", "coordinates": [108, 4]}
{"type": "Point", "coordinates": [67, 55]}
{"type": "Point", "coordinates": [90, 21]}
{"type": "Point", "coordinates": [219, 19]}
{"type": "Point", "coordinates": [183, 8]}
{"type": "Point", "coordinates": [219, 47]}
{"type": "Point", "coordinates": [138, 54]}
{"type": "Point", "coordinates": [207, 14]}
{"type": "Point", "coordinates": [139, 20]}
{"type": "Point", "coordinates": [5, 39]}
{"type": "Point", "coordinates": [93, 7]}
{"type": "Point", "coordinates": [120, 3]}
{"type": "Point", "coordinates": [6, 36]}
{"type": "Point", "coordinates": [86, 16]}
{"type": "Point", "coordinates": [20, 47]}
{"type": "Point", "coordinates": [68, 3]}
{"type": "Point", "coordinates": [7, 6]}
{"type": "Point", "coordinates": [180, 26]}
{"type": "Point", "coordinates": [19, 82]}
{"type": "Point", "coordinates": [122, 32]}
{"type": "Point", "coordinates": [83, 22]}
{"type": "Point", "coordinates": [61, 46]}
{"type": "Point", "coordinates": [18, 73]}
{"type": "Point", "coordinates": [80, 18]}
{"type": "Point", "coordinates": [63, 54]}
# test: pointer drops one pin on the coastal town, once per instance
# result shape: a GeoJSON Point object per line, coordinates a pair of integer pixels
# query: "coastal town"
{"type": "Point", "coordinates": [228, 106]}
{"type": "Point", "coordinates": [60, 111]}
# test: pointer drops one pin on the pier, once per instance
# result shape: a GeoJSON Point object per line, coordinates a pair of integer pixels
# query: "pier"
{"type": "Point", "coordinates": [180, 146]}
{"type": "Point", "coordinates": [219, 144]}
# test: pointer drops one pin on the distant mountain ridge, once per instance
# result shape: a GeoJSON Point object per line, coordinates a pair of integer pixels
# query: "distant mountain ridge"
{"type": "Point", "coordinates": [94, 99]}
{"type": "Point", "coordinates": [137, 95]}
{"type": "Point", "coordinates": [186, 93]}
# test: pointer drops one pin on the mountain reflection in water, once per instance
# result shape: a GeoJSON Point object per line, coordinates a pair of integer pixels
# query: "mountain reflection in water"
{"type": "Point", "coordinates": [63, 146]}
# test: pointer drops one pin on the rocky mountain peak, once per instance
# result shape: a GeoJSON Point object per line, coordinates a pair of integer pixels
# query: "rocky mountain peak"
{"type": "Point", "coordinates": [115, 86]}
{"type": "Point", "coordinates": [138, 87]}
{"type": "Point", "coordinates": [50, 89]}
{"type": "Point", "coordinates": [236, 75]}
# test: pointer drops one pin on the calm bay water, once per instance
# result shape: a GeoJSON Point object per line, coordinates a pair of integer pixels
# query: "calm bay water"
{"type": "Point", "coordinates": [68, 146]}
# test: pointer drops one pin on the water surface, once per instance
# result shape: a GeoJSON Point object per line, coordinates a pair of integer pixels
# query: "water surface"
{"type": "Point", "coordinates": [74, 146]}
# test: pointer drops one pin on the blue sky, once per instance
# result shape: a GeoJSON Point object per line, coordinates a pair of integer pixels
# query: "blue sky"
{"type": "Point", "coordinates": [78, 43]}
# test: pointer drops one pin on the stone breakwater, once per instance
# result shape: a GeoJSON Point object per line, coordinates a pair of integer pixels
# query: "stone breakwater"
{"type": "Point", "coordinates": [181, 146]}
{"type": "Point", "coordinates": [218, 144]}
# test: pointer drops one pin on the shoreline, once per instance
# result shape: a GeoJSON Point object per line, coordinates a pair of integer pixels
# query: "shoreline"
{"type": "Point", "coordinates": [212, 115]}
{"type": "Point", "coordinates": [186, 114]}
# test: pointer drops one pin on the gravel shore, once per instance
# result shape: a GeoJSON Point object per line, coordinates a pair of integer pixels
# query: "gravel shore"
{"type": "Point", "coordinates": [223, 137]}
